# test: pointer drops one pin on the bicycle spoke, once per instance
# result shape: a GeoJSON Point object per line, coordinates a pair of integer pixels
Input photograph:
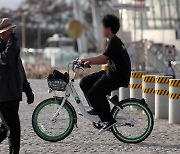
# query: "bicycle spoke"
{"type": "Point", "coordinates": [136, 125]}
{"type": "Point", "coordinates": [50, 124]}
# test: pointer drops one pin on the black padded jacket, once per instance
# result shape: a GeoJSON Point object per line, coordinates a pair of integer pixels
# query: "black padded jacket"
{"type": "Point", "coordinates": [13, 80]}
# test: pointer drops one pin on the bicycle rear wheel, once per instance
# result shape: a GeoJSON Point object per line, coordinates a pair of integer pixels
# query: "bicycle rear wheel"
{"type": "Point", "coordinates": [50, 127]}
{"type": "Point", "coordinates": [135, 121]}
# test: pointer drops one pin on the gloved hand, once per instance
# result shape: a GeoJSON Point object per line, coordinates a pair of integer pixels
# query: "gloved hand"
{"type": "Point", "coordinates": [30, 97]}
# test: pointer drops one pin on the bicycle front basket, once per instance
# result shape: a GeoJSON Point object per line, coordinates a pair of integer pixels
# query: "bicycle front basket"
{"type": "Point", "coordinates": [57, 84]}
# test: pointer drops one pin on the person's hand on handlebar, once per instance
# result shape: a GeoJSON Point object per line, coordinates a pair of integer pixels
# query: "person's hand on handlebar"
{"type": "Point", "coordinates": [85, 64]}
{"type": "Point", "coordinates": [80, 61]}
{"type": "Point", "coordinates": [97, 60]}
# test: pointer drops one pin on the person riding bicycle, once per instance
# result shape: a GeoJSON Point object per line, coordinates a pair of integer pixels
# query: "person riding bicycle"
{"type": "Point", "coordinates": [97, 85]}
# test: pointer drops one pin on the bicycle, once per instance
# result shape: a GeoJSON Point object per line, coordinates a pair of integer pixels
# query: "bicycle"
{"type": "Point", "coordinates": [54, 119]}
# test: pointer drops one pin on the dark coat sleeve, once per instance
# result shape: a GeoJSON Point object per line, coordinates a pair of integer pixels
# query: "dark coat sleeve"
{"type": "Point", "coordinates": [8, 56]}
{"type": "Point", "coordinates": [26, 85]}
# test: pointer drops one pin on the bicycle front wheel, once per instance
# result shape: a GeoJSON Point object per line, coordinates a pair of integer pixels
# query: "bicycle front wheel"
{"type": "Point", "coordinates": [50, 125]}
{"type": "Point", "coordinates": [134, 123]}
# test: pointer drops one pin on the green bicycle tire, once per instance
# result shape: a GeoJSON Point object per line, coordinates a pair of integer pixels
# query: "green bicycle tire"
{"type": "Point", "coordinates": [41, 133]}
{"type": "Point", "coordinates": [136, 103]}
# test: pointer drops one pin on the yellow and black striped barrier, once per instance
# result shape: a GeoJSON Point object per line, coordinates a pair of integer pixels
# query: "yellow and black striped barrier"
{"type": "Point", "coordinates": [136, 84]}
{"type": "Point", "coordinates": [162, 97]}
{"type": "Point", "coordinates": [162, 92]}
{"type": "Point", "coordinates": [137, 74]}
{"type": "Point", "coordinates": [162, 80]}
{"type": "Point", "coordinates": [148, 90]}
{"type": "Point", "coordinates": [174, 96]}
{"type": "Point", "coordinates": [148, 78]}
{"type": "Point", "coordinates": [174, 101]}
{"type": "Point", "coordinates": [174, 83]}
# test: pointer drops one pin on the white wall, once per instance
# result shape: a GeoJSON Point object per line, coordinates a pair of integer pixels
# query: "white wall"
{"type": "Point", "coordinates": [160, 36]}
{"type": "Point", "coordinates": [125, 36]}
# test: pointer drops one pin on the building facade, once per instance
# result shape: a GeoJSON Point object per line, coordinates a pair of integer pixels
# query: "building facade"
{"type": "Point", "coordinates": [161, 23]}
{"type": "Point", "coordinates": [162, 14]}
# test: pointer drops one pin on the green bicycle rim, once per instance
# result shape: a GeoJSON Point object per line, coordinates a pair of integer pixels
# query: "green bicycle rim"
{"type": "Point", "coordinates": [142, 135]}
{"type": "Point", "coordinates": [43, 133]}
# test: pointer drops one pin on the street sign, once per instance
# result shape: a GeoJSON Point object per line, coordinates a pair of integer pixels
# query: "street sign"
{"type": "Point", "coordinates": [75, 29]}
{"type": "Point", "coordinates": [134, 7]}
{"type": "Point", "coordinates": [170, 52]}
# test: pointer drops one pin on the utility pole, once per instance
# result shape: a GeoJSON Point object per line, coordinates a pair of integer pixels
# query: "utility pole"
{"type": "Point", "coordinates": [24, 29]}
{"type": "Point", "coordinates": [95, 22]}
{"type": "Point", "coordinates": [82, 47]}
{"type": "Point", "coordinates": [121, 16]}
{"type": "Point", "coordinates": [135, 24]}
{"type": "Point", "coordinates": [141, 21]}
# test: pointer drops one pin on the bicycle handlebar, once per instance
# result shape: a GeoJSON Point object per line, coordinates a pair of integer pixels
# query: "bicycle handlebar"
{"type": "Point", "coordinates": [89, 66]}
{"type": "Point", "coordinates": [76, 65]}
{"type": "Point", "coordinates": [75, 62]}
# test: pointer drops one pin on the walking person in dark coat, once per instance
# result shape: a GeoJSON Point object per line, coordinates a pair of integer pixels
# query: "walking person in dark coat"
{"type": "Point", "coordinates": [12, 83]}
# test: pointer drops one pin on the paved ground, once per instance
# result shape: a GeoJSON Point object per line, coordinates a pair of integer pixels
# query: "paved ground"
{"type": "Point", "coordinates": [165, 138]}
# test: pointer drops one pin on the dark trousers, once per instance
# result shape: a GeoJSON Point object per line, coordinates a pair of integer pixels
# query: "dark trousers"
{"type": "Point", "coordinates": [95, 87]}
{"type": "Point", "coordinates": [10, 125]}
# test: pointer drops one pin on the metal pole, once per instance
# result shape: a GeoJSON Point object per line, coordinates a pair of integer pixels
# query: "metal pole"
{"type": "Point", "coordinates": [78, 15]}
{"type": "Point", "coordinates": [135, 24]}
{"type": "Point", "coordinates": [23, 30]}
{"type": "Point", "coordinates": [95, 20]}
{"type": "Point", "coordinates": [141, 18]}
{"type": "Point", "coordinates": [95, 17]}
{"type": "Point", "coordinates": [121, 17]}
{"type": "Point", "coordinates": [178, 11]}
{"type": "Point", "coordinates": [169, 12]}
{"type": "Point", "coordinates": [154, 15]}
{"type": "Point", "coordinates": [162, 21]}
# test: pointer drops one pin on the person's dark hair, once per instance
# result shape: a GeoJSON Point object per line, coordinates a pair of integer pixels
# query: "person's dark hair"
{"type": "Point", "coordinates": [112, 21]}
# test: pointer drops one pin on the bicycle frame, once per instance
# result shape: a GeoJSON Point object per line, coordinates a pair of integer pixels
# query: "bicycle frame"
{"type": "Point", "coordinates": [70, 90]}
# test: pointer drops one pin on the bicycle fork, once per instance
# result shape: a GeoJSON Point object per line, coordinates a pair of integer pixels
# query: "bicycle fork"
{"type": "Point", "coordinates": [60, 107]}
